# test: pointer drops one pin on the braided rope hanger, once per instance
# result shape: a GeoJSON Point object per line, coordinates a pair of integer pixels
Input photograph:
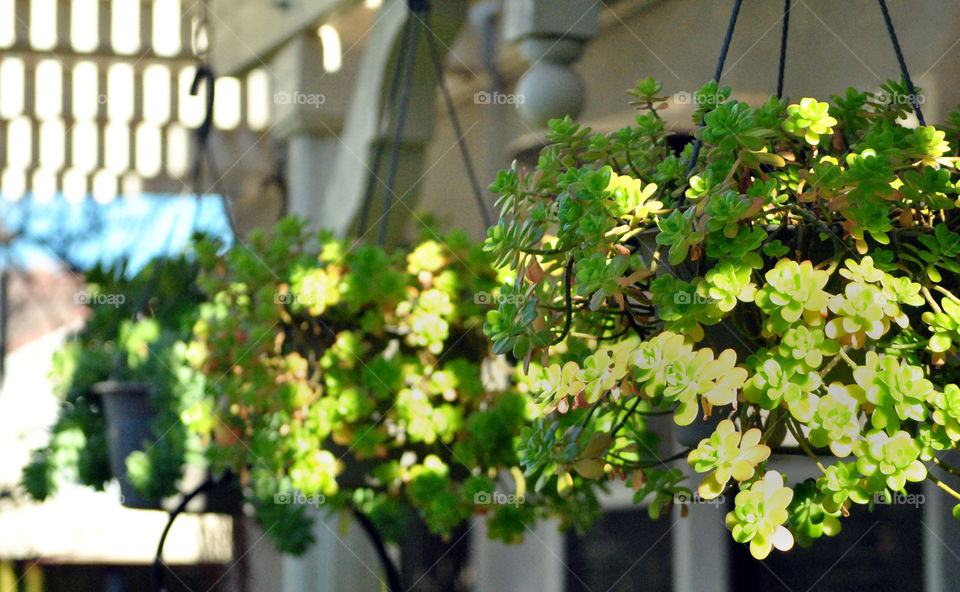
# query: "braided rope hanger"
{"type": "Point", "coordinates": [419, 15]}
{"type": "Point", "coordinates": [901, 62]}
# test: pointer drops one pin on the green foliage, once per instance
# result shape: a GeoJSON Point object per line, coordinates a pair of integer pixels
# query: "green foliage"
{"type": "Point", "coordinates": [357, 377]}
{"type": "Point", "coordinates": [727, 453]}
{"type": "Point", "coordinates": [808, 518]}
{"type": "Point", "coordinates": [134, 332]}
{"type": "Point", "coordinates": [810, 119]}
{"type": "Point", "coordinates": [801, 284]}
{"type": "Point", "coordinates": [759, 513]}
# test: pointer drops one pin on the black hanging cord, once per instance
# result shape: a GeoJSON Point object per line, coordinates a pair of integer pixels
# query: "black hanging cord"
{"type": "Point", "coordinates": [457, 129]}
{"type": "Point", "coordinates": [394, 583]}
{"type": "Point", "coordinates": [202, 133]}
{"type": "Point", "coordinates": [903, 64]}
{"type": "Point", "coordinates": [401, 120]}
{"type": "Point", "coordinates": [157, 570]}
{"type": "Point", "coordinates": [716, 77]}
{"type": "Point", "coordinates": [380, 145]}
{"type": "Point", "coordinates": [204, 74]}
{"type": "Point", "coordinates": [783, 47]}
{"type": "Point", "coordinates": [406, 56]}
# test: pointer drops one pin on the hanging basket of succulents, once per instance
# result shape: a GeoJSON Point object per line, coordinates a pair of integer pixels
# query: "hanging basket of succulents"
{"type": "Point", "coordinates": [124, 382]}
{"type": "Point", "coordinates": [799, 287]}
{"type": "Point", "coordinates": [350, 378]}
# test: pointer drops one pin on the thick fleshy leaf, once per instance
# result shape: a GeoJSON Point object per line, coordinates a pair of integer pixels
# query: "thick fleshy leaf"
{"type": "Point", "coordinates": [741, 470]}
{"type": "Point", "coordinates": [782, 539]}
{"type": "Point", "coordinates": [915, 471]}
{"type": "Point", "coordinates": [760, 548]}
{"type": "Point", "coordinates": [710, 488]}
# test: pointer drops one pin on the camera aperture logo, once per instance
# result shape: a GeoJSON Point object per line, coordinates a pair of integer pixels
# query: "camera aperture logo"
{"type": "Point", "coordinates": [896, 98]}
{"type": "Point", "coordinates": [99, 299]}
{"type": "Point", "coordinates": [296, 498]}
{"type": "Point", "coordinates": [697, 98]}
{"type": "Point", "coordinates": [485, 498]}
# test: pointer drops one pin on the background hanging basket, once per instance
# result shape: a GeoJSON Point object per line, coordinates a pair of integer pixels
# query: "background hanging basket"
{"type": "Point", "coordinates": [130, 417]}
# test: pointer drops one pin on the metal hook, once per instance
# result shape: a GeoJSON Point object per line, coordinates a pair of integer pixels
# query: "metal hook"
{"type": "Point", "coordinates": [204, 73]}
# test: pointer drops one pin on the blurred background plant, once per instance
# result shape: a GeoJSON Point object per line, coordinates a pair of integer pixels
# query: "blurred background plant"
{"type": "Point", "coordinates": [359, 379]}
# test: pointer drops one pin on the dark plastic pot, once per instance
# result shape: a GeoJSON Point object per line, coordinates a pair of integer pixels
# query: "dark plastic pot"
{"type": "Point", "coordinates": [130, 415]}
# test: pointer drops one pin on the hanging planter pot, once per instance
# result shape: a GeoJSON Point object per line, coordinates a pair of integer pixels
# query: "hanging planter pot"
{"type": "Point", "coordinates": [129, 418]}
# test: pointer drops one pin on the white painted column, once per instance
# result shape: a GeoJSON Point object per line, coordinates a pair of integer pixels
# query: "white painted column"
{"type": "Point", "coordinates": [308, 104]}
{"type": "Point", "coordinates": [552, 35]}
{"type": "Point", "coordinates": [941, 533]}
{"type": "Point", "coordinates": [701, 540]}
{"type": "Point", "coordinates": [536, 564]}
{"type": "Point", "coordinates": [338, 562]}
{"type": "Point", "coordinates": [309, 155]}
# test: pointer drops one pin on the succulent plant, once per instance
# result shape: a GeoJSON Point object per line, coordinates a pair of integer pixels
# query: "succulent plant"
{"type": "Point", "coordinates": [727, 453]}
{"type": "Point", "coordinates": [799, 276]}
{"type": "Point", "coordinates": [759, 513]}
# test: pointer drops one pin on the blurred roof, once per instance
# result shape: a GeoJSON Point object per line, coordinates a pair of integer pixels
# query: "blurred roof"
{"type": "Point", "coordinates": [41, 302]}
{"type": "Point", "coordinates": [58, 233]}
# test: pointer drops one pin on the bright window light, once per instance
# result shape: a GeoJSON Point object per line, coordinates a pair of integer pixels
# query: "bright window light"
{"type": "Point", "coordinates": [44, 186]}
{"type": "Point", "coordinates": [13, 184]}
{"type": "Point", "coordinates": [7, 29]}
{"type": "Point", "coordinates": [117, 146]}
{"type": "Point", "coordinates": [19, 143]}
{"type": "Point", "coordinates": [258, 99]}
{"type": "Point", "coordinates": [156, 93]}
{"type": "Point", "coordinates": [190, 107]}
{"type": "Point", "coordinates": [125, 26]}
{"type": "Point", "coordinates": [148, 150]}
{"type": "Point", "coordinates": [120, 92]}
{"type": "Point", "coordinates": [226, 103]}
{"type": "Point", "coordinates": [11, 87]}
{"type": "Point", "coordinates": [130, 185]}
{"type": "Point", "coordinates": [166, 27]}
{"type": "Point", "coordinates": [178, 150]}
{"type": "Point", "coordinates": [332, 54]}
{"type": "Point", "coordinates": [43, 24]}
{"type": "Point", "coordinates": [86, 97]}
{"type": "Point", "coordinates": [84, 157]}
{"type": "Point", "coordinates": [74, 185]}
{"type": "Point", "coordinates": [52, 144]}
{"type": "Point", "coordinates": [83, 25]}
{"type": "Point", "coordinates": [49, 89]}
{"type": "Point", "coordinates": [104, 187]}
